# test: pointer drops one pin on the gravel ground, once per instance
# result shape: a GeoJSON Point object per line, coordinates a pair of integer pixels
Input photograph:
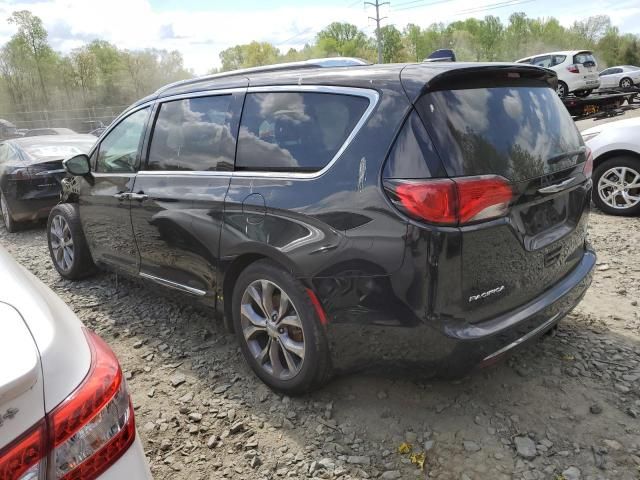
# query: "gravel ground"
{"type": "Point", "coordinates": [563, 408]}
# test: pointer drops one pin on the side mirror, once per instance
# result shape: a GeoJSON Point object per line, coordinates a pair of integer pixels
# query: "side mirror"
{"type": "Point", "coordinates": [78, 166]}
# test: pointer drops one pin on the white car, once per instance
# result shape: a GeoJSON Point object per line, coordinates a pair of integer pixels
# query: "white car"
{"type": "Point", "coordinates": [624, 76]}
{"type": "Point", "coordinates": [616, 161]}
{"type": "Point", "coordinates": [577, 70]}
{"type": "Point", "coordinates": [65, 411]}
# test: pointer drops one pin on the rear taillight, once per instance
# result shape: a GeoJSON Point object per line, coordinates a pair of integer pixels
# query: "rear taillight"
{"type": "Point", "coordinates": [573, 69]}
{"type": "Point", "coordinates": [85, 434]}
{"type": "Point", "coordinates": [454, 201]}
{"type": "Point", "coordinates": [588, 165]}
{"type": "Point", "coordinates": [22, 174]}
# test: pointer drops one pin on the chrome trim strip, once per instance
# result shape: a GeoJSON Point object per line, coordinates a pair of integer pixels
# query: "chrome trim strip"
{"type": "Point", "coordinates": [185, 173]}
{"type": "Point", "coordinates": [174, 285]}
{"type": "Point", "coordinates": [524, 338]}
{"type": "Point", "coordinates": [203, 93]}
{"type": "Point", "coordinates": [558, 187]}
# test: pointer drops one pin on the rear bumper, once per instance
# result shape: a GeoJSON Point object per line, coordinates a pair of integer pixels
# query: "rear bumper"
{"type": "Point", "coordinates": [452, 347]}
{"type": "Point", "coordinates": [34, 207]}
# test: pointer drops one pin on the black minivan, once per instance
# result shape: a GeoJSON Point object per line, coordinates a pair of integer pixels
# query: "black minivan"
{"type": "Point", "coordinates": [428, 215]}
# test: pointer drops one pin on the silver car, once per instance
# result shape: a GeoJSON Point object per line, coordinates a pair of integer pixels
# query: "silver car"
{"type": "Point", "coordinates": [624, 76]}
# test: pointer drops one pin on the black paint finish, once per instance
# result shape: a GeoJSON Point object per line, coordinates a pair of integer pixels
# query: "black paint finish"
{"type": "Point", "coordinates": [394, 290]}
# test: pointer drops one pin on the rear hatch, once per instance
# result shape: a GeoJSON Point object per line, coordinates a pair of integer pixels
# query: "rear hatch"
{"type": "Point", "coordinates": [518, 164]}
{"type": "Point", "coordinates": [588, 68]}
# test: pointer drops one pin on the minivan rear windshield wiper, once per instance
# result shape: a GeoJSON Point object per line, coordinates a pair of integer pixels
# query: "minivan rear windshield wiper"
{"type": "Point", "coordinates": [562, 156]}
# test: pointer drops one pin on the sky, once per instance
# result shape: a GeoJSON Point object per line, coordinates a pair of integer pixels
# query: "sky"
{"type": "Point", "coordinates": [201, 29]}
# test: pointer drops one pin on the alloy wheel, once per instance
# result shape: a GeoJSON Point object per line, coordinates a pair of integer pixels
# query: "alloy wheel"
{"type": "Point", "coordinates": [272, 329]}
{"type": "Point", "coordinates": [61, 242]}
{"type": "Point", "coordinates": [626, 83]}
{"type": "Point", "coordinates": [562, 90]}
{"type": "Point", "coordinates": [619, 187]}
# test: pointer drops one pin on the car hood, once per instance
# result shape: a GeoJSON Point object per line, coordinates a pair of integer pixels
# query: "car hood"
{"type": "Point", "coordinates": [626, 123]}
{"type": "Point", "coordinates": [54, 329]}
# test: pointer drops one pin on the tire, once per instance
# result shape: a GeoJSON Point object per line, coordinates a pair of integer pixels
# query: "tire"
{"type": "Point", "coordinates": [563, 90]}
{"type": "Point", "coordinates": [582, 93]}
{"type": "Point", "coordinates": [626, 82]}
{"type": "Point", "coordinates": [611, 170]}
{"type": "Point", "coordinates": [9, 223]}
{"type": "Point", "coordinates": [289, 372]}
{"type": "Point", "coordinates": [72, 259]}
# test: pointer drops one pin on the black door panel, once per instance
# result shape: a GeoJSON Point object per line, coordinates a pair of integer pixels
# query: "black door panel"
{"type": "Point", "coordinates": [178, 226]}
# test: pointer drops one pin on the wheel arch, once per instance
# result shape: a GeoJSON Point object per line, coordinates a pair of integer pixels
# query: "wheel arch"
{"type": "Point", "coordinates": [236, 267]}
{"type": "Point", "coordinates": [614, 153]}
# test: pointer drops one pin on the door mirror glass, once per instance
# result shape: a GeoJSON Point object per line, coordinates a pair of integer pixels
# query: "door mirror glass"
{"type": "Point", "coordinates": [78, 165]}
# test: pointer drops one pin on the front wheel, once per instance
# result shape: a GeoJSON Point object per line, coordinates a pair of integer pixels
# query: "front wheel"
{"type": "Point", "coordinates": [617, 186]}
{"type": "Point", "coordinates": [279, 331]}
{"type": "Point", "coordinates": [67, 245]}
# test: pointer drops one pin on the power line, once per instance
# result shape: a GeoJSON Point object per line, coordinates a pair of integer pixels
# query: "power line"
{"type": "Point", "coordinates": [494, 6]}
{"type": "Point", "coordinates": [377, 19]}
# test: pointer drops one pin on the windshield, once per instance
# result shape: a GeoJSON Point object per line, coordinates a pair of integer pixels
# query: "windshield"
{"type": "Point", "coordinates": [584, 57]}
{"type": "Point", "coordinates": [517, 132]}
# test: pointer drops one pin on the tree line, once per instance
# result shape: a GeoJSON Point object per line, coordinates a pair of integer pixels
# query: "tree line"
{"type": "Point", "coordinates": [488, 39]}
{"type": "Point", "coordinates": [34, 77]}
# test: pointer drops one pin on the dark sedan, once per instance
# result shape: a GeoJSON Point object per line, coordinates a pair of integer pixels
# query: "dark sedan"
{"type": "Point", "coordinates": [30, 174]}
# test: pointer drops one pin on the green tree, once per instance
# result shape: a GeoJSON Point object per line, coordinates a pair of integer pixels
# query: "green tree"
{"type": "Point", "coordinates": [342, 39]}
{"type": "Point", "coordinates": [392, 48]}
{"type": "Point", "coordinates": [33, 35]}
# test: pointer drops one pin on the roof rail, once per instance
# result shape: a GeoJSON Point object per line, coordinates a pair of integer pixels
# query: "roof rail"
{"type": "Point", "coordinates": [312, 63]}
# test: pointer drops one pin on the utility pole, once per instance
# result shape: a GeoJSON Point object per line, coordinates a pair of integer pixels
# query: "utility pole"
{"type": "Point", "coordinates": [377, 19]}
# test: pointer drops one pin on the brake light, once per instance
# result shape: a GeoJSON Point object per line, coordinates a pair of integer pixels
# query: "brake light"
{"type": "Point", "coordinates": [454, 201]}
{"type": "Point", "coordinates": [85, 434]}
{"type": "Point", "coordinates": [588, 165]}
{"type": "Point", "coordinates": [573, 69]}
{"type": "Point", "coordinates": [22, 174]}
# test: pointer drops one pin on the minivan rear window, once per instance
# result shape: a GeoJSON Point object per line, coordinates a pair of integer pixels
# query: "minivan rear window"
{"type": "Point", "coordinates": [517, 132]}
{"type": "Point", "coordinates": [295, 131]}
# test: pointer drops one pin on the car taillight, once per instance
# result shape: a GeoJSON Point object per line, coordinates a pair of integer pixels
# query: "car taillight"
{"type": "Point", "coordinates": [588, 165]}
{"type": "Point", "coordinates": [85, 434]}
{"type": "Point", "coordinates": [22, 174]}
{"type": "Point", "coordinates": [573, 69]}
{"type": "Point", "coordinates": [453, 201]}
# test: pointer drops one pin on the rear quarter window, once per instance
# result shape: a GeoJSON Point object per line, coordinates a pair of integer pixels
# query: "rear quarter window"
{"type": "Point", "coordinates": [295, 131]}
{"type": "Point", "coordinates": [516, 132]}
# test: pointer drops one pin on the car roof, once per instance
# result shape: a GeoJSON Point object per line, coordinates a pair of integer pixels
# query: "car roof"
{"type": "Point", "coordinates": [358, 76]}
{"type": "Point", "coordinates": [563, 52]}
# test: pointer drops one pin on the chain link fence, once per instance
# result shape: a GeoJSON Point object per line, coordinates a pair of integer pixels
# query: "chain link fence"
{"type": "Point", "coordinates": [82, 120]}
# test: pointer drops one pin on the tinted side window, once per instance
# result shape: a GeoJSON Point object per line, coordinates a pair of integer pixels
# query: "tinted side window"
{"type": "Point", "coordinates": [193, 134]}
{"type": "Point", "coordinates": [118, 151]}
{"type": "Point", "coordinates": [413, 154]}
{"type": "Point", "coordinates": [616, 70]}
{"type": "Point", "coordinates": [295, 131]}
{"type": "Point", "coordinates": [557, 60]}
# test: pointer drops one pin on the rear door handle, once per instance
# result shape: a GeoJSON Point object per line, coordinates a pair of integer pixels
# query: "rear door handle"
{"type": "Point", "coordinates": [122, 196]}
{"type": "Point", "coordinates": [558, 187]}
{"type": "Point", "coordinates": [141, 197]}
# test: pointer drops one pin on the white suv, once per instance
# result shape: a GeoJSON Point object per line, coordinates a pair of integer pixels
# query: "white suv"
{"type": "Point", "coordinates": [577, 70]}
{"type": "Point", "coordinates": [65, 412]}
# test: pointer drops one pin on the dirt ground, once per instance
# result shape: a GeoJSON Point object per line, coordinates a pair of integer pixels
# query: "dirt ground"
{"type": "Point", "coordinates": [566, 407]}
